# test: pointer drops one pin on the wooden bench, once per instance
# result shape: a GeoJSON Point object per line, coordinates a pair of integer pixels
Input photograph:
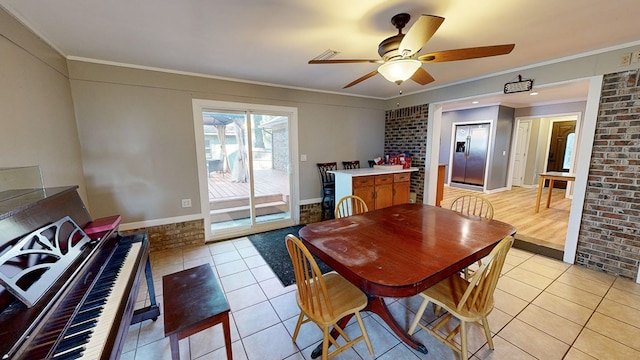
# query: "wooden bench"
{"type": "Point", "coordinates": [193, 301]}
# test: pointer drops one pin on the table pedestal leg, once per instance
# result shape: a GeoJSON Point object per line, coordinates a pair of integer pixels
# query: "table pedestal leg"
{"type": "Point", "coordinates": [377, 306]}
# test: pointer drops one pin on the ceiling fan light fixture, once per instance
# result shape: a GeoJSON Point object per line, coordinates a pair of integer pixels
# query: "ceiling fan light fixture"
{"type": "Point", "coordinates": [398, 71]}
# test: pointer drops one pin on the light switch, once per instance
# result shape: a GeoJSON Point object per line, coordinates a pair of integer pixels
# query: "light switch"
{"type": "Point", "coordinates": [303, 157]}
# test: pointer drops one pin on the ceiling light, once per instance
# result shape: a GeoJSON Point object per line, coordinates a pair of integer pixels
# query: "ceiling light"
{"type": "Point", "coordinates": [398, 71]}
{"type": "Point", "coordinates": [475, 102]}
{"type": "Point", "coordinates": [533, 93]}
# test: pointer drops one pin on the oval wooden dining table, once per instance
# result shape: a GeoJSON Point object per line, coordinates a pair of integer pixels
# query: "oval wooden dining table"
{"type": "Point", "coordinates": [400, 251]}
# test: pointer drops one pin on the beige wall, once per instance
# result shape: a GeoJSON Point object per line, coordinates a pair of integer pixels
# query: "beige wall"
{"type": "Point", "coordinates": [138, 143]}
{"type": "Point", "coordinates": [36, 108]}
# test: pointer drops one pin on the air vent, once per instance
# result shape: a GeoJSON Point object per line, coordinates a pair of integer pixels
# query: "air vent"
{"type": "Point", "coordinates": [328, 54]}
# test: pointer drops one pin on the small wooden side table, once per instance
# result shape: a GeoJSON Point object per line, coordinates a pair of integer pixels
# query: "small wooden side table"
{"type": "Point", "coordinates": [193, 301]}
{"type": "Point", "coordinates": [551, 176]}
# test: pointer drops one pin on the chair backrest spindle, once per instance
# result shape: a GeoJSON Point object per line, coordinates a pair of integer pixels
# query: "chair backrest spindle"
{"type": "Point", "coordinates": [350, 205]}
{"type": "Point", "coordinates": [312, 290]}
{"type": "Point", "coordinates": [348, 165]}
{"type": "Point", "coordinates": [473, 205]}
{"type": "Point", "coordinates": [479, 293]}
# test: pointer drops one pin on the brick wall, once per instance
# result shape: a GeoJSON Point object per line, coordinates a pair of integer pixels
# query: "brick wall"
{"type": "Point", "coordinates": [609, 238]}
{"type": "Point", "coordinates": [171, 236]}
{"type": "Point", "coordinates": [190, 233]}
{"type": "Point", "coordinates": [406, 131]}
{"type": "Point", "coordinates": [310, 213]}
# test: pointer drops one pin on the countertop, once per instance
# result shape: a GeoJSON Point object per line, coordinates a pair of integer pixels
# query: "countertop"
{"type": "Point", "coordinates": [371, 171]}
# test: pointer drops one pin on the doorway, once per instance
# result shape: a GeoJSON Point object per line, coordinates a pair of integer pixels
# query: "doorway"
{"type": "Point", "coordinates": [248, 182]}
{"type": "Point", "coordinates": [520, 156]}
{"type": "Point", "coordinates": [561, 146]}
{"type": "Point", "coordinates": [584, 138]}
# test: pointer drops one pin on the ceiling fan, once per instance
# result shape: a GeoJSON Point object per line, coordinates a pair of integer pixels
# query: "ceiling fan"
{"type": "Point", "coordinates": [399, 53]}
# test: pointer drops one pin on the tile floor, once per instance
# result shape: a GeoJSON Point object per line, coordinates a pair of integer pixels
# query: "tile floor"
{"type": "Point", "coordinates": [544, 309]}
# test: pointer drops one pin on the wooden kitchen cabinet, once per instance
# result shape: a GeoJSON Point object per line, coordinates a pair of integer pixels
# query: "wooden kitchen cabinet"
{"type": "Point", "coordinates": [375, 190]}
{"type": "Point", "coordinates": [440, 184]}
{"type": "Point", "coordinates": [364, 187]}
{"type": "Point", "coordinates": [384, 191]}
{"type": "Point", "coordinates": [378, 188]}
{"type": "Point", "coordinates": [401, 188]}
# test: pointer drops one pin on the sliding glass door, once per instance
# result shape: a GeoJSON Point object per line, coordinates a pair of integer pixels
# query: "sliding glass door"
{"type": "Point", "coordinates": [246, 153]}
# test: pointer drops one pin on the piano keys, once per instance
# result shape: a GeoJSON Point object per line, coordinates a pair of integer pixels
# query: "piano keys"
{"type": "Point", "coordinates": [87, 312]}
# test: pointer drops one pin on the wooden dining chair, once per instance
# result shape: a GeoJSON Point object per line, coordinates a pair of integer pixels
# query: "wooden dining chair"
{"type": "Point", "coordinates": [350, 205]}
{"type": "Point", "coordinates": [473, 205]}
{"type": "Point", "coordinates": [348, 165]}
{"type": "Point", "coordinates": [469, 301]}
{"type": "Point", "coordinates": [325, 299]}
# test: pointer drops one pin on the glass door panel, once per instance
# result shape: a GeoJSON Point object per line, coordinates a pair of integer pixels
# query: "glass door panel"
{"type": "Point", "coordinates": [248, 165]}
{"type": "Point", "coordinates": [270, 164]}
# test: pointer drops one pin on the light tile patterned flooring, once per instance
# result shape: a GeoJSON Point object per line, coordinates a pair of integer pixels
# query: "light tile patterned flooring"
{"type": "Point", "coordinates": [544, 309]}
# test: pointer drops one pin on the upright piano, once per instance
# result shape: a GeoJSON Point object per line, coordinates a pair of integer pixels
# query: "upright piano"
{"type": "Point", "coordinates": [65, 294]}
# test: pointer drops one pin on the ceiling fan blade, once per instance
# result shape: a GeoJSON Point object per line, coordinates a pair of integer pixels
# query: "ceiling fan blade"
{"type": "Point", "coordinates": [345, 61]}
{"type": "Point", "coordinates": [361, 79]}
{"type": "Point", "coordinates": [422, 77]}
{"type": "Point", "coordinates": [419, 34]}
{"type": "Point", "coordinates": [467, 53]}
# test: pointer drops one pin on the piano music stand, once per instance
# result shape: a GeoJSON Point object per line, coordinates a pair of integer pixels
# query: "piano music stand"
{"type": "Point", "coordinates": [193, 301]}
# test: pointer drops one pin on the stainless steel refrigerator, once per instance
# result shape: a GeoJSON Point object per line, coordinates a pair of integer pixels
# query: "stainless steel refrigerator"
{"type": "Point", "coordinates": [470, 154]}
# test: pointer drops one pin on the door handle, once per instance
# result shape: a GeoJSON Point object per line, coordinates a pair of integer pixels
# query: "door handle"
{"type": "Point", "coordinates": [466, 153]}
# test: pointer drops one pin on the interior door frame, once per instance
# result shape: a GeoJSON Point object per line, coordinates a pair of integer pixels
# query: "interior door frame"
{"type": "Point", "coordinates": [547, 144]}
{"type": "Point", "coordinates": [523, 159]}
{"type": "Point", "coordinates": [576, 145]}
{"type": "Point", "coordinates": [203, 104]}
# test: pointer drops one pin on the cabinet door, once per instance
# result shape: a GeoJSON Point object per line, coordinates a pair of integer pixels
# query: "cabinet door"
{"type": "Point", "coordinates": [363, 186]}
{"type": "Point", "coordinates": [401, 192]}
{"type": "Point", "coordinates": [401, 188]}
{"type": "Point", "coordinates": [384, 190]}
{"type": "Point", "coordinates": [384, 196]}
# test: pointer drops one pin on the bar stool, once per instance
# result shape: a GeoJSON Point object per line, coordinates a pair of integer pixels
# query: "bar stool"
{"type": "Point", "coordinates": [348, 165]}
{"type": "Point", "coordinates": [327, 180]}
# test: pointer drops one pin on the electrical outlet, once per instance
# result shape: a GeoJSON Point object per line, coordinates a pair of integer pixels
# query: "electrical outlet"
{"type": "Point", "coordinates": [186, 203]}
{"type": "Point", "coordinates": [625, 59]}
{"type": "Point", "coordinates": [635, 56]}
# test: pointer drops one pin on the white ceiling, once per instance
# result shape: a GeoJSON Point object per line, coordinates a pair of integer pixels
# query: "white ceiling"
{"type": "Point", "coordinates": [270, 41]}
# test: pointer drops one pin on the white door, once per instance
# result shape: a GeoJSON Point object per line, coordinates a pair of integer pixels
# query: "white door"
{"type": "Point", "coordinates": [520, 159]}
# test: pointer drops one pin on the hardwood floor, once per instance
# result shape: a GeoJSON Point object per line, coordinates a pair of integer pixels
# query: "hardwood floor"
{"type": "Point", "coordinates": [517, 207]}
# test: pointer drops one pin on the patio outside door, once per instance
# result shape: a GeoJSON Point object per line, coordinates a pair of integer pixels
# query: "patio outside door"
{"type": "Point", "coordinates": [248, 171]}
